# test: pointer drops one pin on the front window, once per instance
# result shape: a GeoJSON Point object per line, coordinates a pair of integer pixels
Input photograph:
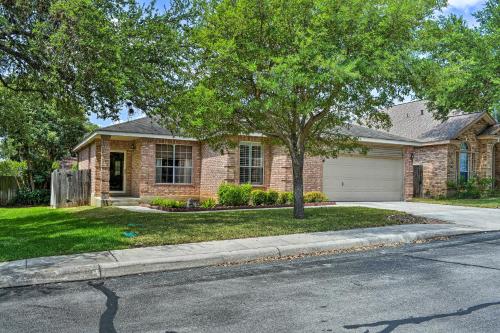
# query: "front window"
{"type": "Point", "coordinates": [251, 164]}
{"type": "Point", "coordinates": [174, 164]}
{"type": "Point", "coordinates": [463, 162]}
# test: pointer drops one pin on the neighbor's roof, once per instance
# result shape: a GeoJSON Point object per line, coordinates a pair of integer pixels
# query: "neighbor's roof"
{"type": "Point", "coordinates": [413, 121]}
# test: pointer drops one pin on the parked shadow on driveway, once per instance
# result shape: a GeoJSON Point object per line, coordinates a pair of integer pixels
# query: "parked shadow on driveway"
{"type": "Point", "coordinates": [391, 325]}
{"type": "Point", "coordinates": [106, 324]}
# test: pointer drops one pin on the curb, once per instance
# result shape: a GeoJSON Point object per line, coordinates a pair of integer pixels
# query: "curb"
{"type": "Point", "coordinates": [26, 277]}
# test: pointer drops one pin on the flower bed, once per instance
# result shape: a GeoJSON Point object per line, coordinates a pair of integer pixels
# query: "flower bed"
{"type": "Point", "coordinates": [216, 208]}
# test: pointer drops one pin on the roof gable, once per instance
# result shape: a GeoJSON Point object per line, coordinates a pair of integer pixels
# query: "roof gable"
{"type": "Point", "coordinates": [413, 121]}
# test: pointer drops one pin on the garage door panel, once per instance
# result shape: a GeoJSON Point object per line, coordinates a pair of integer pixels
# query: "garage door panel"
{"type": "Point", "coordinates": [363, 178]}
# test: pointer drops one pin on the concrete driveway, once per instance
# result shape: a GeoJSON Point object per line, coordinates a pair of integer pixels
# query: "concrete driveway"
{"type": "Point", "coordinates": [482, 218]}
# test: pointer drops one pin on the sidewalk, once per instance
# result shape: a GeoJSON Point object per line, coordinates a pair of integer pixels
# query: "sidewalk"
{"type": "Point", "coordinates": [171, 257]}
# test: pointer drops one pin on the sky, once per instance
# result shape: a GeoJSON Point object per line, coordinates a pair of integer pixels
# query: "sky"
{"type": "Point", "coordinates": [463, 8]}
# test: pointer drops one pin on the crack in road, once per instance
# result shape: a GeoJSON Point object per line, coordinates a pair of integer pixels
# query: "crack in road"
{"type": "Point", "coordinates": [452, 262]}
{"type": "Point", "coordinates": [391, 325]}
{"type": "Point", "coordinates": [106, 322]}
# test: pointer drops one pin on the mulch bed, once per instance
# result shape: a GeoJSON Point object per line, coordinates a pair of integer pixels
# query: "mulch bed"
{"type": "Point", "coordinates": [218, 208]}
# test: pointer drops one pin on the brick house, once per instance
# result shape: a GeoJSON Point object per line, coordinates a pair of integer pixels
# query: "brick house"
{"type": "Point", "coordinates": [417, 156]}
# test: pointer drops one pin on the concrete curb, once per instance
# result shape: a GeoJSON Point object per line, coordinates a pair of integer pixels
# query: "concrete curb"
{"type": "Point", "coordinates": [21, 276]}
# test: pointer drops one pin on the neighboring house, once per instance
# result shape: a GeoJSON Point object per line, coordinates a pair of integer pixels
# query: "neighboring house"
{"type": "Point", "coordinates": [418, 156]}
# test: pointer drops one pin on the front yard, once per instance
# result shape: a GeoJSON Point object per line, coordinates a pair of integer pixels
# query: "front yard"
{"type": "Point", "coordinates": [481, 203]}
{"type": "Point", "coordinates": [41, 231]}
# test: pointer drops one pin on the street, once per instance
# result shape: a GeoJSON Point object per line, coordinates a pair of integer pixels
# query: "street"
{"type": "Point", "coordinates": [443, 286]}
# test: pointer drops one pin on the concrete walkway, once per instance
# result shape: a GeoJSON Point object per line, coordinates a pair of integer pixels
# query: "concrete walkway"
{"type": "Point", "coordinates": [161, 258]}
{"type": "Point", "coordinates": [486, 219]}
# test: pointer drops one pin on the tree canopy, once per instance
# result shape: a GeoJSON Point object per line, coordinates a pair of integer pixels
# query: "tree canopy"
{"type": "Point", "coordinates": [297, 71]}
{"type": "Point", "coordinates": [34, 132]}
{"type": "Point", "coordinates": [86, 55]}
{"type": "Point", "coordinates": [462, 64]}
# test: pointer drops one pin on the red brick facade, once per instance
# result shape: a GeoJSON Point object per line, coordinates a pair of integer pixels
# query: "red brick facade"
{"type": "Point", "coordinates": [213, 168]}
{"type": "Point", "coordinates": [210, 168]}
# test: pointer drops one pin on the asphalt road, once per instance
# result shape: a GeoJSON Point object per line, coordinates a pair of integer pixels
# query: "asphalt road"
{"type": "Point", "coordinates": [445, 286]}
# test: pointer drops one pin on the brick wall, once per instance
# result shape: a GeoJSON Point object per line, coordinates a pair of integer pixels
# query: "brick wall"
{"type": "Point", "coordinates": [210, 168]}
{"type": "Point", "coordinates": [135, 169]}
{"type": "Point", "coordinates": [408, 172]}
{"type": "Point", "coordinates": [280, 175]}
{"type": "Point", "coordinates": [434, 160]}
{"type": "Point", "coordinates": [104, 166]}
{"type": "Point", "coordinates": [214, 170]}
{"type": "Point", "coordinates": [313, 174]}
{"type": "Point", "coordinates": [497, 164]}
{"type": "Point", "coordinates": [148, 186]}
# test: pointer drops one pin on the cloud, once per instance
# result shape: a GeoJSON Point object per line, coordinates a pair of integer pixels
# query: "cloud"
{"type": "Point", "coordinates": [462, 4]}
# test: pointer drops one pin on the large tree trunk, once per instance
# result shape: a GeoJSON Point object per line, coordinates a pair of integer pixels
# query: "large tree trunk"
{"type": "Point", "coordinates": [298, 185]}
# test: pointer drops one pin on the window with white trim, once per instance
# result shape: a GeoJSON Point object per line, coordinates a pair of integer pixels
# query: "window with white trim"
{"type": "Point", "coordinates": [174, 164]}
{"type": "Point", "coordinates": [251, 163]}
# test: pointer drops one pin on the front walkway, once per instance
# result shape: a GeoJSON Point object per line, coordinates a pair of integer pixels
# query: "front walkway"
{"type": "Point", "coordinates": [486, 219]}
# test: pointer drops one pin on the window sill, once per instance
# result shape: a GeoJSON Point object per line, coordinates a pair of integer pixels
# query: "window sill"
{"type": "Point", "coordinates": [176, 184]}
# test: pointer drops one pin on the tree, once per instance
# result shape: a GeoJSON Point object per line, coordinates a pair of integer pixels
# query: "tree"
{"type": "Point", "coordinates": [86, 55]}
{"type": "Point", "coordinates": [462, 64]}
{"type": "Point", "coordinates": [34, 132]}
{"type": "Point", "coordinates": [297, 71]}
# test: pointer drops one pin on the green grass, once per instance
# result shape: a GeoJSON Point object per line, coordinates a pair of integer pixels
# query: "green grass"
{"type": "Point", "coordinates": [481, 203]}
{"type": "Point", "coordinates": [42, 231]}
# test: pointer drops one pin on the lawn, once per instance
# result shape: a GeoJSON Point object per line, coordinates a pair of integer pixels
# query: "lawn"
{"type": "Point", "coordinates": [42, 231]}
{"type": "Point", "coordinates": [481, 203]}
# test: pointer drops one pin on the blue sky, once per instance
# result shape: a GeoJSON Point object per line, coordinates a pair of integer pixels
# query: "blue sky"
{"type": "Point", "coordinates": [464, 8]}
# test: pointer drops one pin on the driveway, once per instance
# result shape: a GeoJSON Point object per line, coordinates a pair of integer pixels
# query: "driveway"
{"type": "Point", "coordinates": [486, 219]}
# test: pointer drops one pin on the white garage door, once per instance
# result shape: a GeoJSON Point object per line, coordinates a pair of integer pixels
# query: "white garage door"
{"type": "Point", "coordinates": [376, 177]}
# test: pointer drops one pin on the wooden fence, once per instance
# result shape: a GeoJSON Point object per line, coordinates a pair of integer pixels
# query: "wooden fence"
{"type": "Point", "coordinates": [8, 189]}
{"type": "Point", "coordinates": [70, 188]}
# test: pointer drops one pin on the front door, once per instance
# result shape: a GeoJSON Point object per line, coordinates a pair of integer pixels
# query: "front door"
{"type": "Point", "coordinates": [116, 171]}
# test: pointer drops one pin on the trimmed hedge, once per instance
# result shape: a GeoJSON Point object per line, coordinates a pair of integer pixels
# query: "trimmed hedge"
{"type": "Point", "coordinates": [167, 203]}
{"type": "Point", "coordinates": [271, 197]}
{"type": "Point", "coordinates": [208, 203]}
{"type": "Point", "coordinates": [234, 195]}
{"type": "Point", "coordinates": [315, 197]}
{"type": "Point", "coordinates": [243, 195]}
{"type": "Point", "coordinates": [258, 197]}
{"type": "Point", "coordinates": [285, 198]}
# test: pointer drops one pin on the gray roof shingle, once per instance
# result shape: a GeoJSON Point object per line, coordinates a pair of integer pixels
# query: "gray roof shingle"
{"type": "Point", "coordinates": [365, 132]}
{"type": "Point", "coordinates": [413, 121]}
{"type": "Point", "coordinates": [144, 125]}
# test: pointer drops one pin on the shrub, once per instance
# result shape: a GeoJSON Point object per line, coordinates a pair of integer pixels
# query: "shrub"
{"type": "Point", "coordinates": [472, 188]}
{"type": "Point", "coordinates": [315, 197]}
{"type": "Point", "coordinates": [234, 195]}
{"type": "Point", "coordinates": [208, 203]}
{"type": "Point", "coordinates": [258, 197]}
{"type": "Point", "coordinates": [167, 203]}
{"type": "Point", "coordinates": [28, 197]}
{"type": "Point", "coordinates": [272, 197]}
{"type": "Point", "coordinates": [285, 198]}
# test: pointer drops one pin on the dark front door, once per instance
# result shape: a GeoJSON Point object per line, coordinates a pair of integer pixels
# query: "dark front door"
{"type": "Point", "coordinates": [116, 171]}
{"type": "Point", "coordinates": [418, 181]}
